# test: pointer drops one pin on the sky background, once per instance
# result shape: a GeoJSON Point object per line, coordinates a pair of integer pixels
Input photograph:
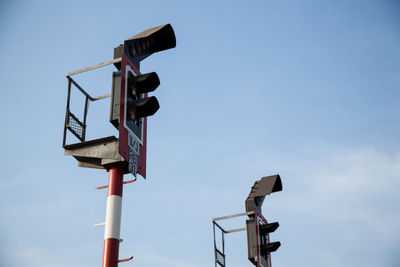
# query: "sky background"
{"type": "Point", "coordinates": [306, 89]}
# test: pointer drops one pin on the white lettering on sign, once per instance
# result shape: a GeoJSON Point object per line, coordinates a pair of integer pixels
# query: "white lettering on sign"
{"type": "Point", "coordinates": [133, 144]}
{"type": "Point", "coordinates": [132, 163]}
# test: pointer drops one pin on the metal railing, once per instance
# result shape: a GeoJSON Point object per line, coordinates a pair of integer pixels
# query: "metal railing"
{"type": "Point", "coordinates": [219, 254]}
{"type": "Point", "coordinates": [72, 123]}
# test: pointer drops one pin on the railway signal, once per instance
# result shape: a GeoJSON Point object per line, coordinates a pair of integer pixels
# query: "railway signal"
{"type": "Point", "coordinates": [258, 228]}
{"type": "Point", "coordinates": [130, 107]}
{"type": "Point", "coordinates": [131, 104]}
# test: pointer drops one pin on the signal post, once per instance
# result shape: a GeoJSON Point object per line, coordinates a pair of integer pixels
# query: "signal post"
{"type": "Point", "coordinates": [113, 217]}
{"type": "Point", "coordinates": [130, 107]}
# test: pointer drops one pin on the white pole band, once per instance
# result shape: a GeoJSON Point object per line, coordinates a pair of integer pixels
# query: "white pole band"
{"type": "Point", "coordinates": [113, 217]}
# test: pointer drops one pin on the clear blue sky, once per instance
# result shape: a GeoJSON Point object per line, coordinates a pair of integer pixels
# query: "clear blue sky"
{"type": "Point", "coordinates": [306, 89]}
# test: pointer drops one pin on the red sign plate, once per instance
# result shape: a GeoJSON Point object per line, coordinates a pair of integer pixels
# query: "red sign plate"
{"type": "Point", "coordinates": [261, 260]}
{"type": "Point", "coordinates": [128, 66]}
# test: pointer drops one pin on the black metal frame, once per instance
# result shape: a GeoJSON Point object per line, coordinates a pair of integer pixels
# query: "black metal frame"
{"type": "Point", "coordinates": [219, 256]}
{"type": "Point", "coordinates": [72, 123]}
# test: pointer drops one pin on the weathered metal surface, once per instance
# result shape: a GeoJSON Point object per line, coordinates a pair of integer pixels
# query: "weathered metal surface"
{"type": "Point", "coordinates": [96, 153]}
{"type": "Point", "coordinates": [260, 189]}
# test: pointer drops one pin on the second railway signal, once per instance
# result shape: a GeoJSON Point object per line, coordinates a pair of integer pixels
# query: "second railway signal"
{"type": "Point", "coordinates": [266, 246]}
{"type": "Point", "coordinates": [258, 229]}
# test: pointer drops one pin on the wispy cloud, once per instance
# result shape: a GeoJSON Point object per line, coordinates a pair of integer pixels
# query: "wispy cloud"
{"type": "Point", "coordinates": [349, 184]}
{"type": "Point", "coordinates": [350, 197]}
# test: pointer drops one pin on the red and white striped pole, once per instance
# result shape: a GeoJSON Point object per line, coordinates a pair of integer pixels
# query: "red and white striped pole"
{"type": "Point", "coordinates": [113, 217]}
